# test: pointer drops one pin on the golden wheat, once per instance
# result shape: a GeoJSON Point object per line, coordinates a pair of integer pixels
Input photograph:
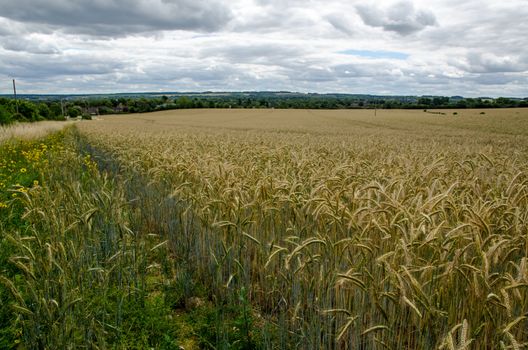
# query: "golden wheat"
{"type": "Point", "coordinates": [349, 230]}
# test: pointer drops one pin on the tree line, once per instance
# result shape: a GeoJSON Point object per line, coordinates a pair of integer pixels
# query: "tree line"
{"type": "Point", "coordinates": [54, 108]}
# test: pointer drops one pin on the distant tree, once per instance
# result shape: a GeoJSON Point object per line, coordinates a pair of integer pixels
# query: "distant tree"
{"type": "Point", "coordinates": [183, 102]}
{"type": "Point", "coordinates": [44, 111]}
{"type": "Point", "coordinates": [504, 102]}
{"type": "Point", "coordinates": [198, 104]}
{"type": "Point", "coordinates": [461, 104]}
{"type": "Point", "coordinates": [56, 110]}
{"type": "Point", "coordinates": [5, 116]}
{"type": "Point", "coordinates": [74, 111]}
{"type": "Point", "coordinates": [106, 110]}
{"type": "Point", "coordinates": [425, 101]}
{"type": "Point", "coordinates": [28, 111]}
{"type": "Point", "coordinates": [440, 101]}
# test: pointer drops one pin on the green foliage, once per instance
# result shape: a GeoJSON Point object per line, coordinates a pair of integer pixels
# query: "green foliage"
{"type": "Point", "coordinates": [29, 111]}
{"type": "Point", "coordinates": [183, 102]}
{"type": "Point", "coordinates": [74, 111]}
{"type": "Point", "coordinates": [226, 325]}
{"type": "Point", "coordinates": [21, 165]}
{"type": "Point", "coordinates": [9, 328]}
{"type": "Point", "coordinates": [243, 324]}
{"type": "Point", "coordinates": [106, 110]}
{"type": "Point", "coordinates": [5, 116]}
{"type": "Point", "coordinates": [145, 325]}
{"type": "Point", "coordinates": [55, 111]}
{"type": "Point", "coordinates": [44, 111]}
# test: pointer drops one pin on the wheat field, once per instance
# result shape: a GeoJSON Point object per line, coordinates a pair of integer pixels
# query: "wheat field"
{"type": "Point", "coordinates": [348, 229]}
{"type": "Point", "coordinates": [28, 131]}
{"type": "Point", "coordinates": [268, 229]}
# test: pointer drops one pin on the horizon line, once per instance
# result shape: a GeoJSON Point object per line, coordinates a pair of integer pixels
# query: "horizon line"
{"type": "Point", "coordinates": [247, 92]}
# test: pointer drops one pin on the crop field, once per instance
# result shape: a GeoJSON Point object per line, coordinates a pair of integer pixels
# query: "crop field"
{"type": "Point", "coordinates": [29, 131]}
{"type": "Point", "coordinates": [272, 229]}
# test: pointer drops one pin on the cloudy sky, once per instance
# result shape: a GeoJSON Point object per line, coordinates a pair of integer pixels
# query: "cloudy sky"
{"type": "Point", "coordinates": [440, 47]}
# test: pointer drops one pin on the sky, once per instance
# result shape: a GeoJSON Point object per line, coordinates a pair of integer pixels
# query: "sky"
{"type": "Point", "coordinates": [437, 47]}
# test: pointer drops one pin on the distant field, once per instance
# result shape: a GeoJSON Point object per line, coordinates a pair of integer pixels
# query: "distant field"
{"type": "Point", "coordinates": [269, 229]}
{"type": "Point", "coordinates": [337, 122]}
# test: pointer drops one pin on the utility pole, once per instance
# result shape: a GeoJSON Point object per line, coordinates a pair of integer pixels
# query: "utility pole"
{"type": "Point", "coordinates": [62, 108]}
{"type": "Point", "coordinates": [14, 91]}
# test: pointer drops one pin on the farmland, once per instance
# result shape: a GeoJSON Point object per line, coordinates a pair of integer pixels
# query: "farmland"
{"type": "Point", "coordinates": [342, 229]}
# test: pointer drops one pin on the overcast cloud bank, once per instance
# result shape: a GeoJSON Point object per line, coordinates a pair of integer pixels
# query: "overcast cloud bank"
{"type": "Point", "coordinates": [441, 47]}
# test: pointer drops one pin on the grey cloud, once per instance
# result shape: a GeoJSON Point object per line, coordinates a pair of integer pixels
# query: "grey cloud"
{"type": "Point", "coordinates": [8, 27]}
{"type": "Point", "coordinates": [261, 53]}
{"type": "Point", "coordinates": [402, 17]}
{"type": "Point", "coordinates": [341, 72]}
{"type": "Point", "coordinates": [480, 26]}
{"type": "Point", "coordinates": [275, 19]}
{"type": "Point", "coordinates": [284, 3]}
{"type": "Point", "coordinates": [489, 63]}
{"type": "Point", "coordinates": [31, 67]}
{"type": "Point", "coordinates": [119, 17]}
{"type": "Point", "coordinates": [268, 19]}
{"type": "Point", "coordinates": [340, 23]}
{"type": "Point", "coordinates": [357, 70]}
{"type": "Point", "coordinates": [480, 63]}
{"type": "Point", "coordinates": [196, 76]}
{"type": "Point", "coordinates": [5, 28]}
{"type": "Point", "coordinates": [25, 45]}
{"type": "Point", "coordinates": [496, 79]}
{"type": "Point", "coordinates": [198, 72]}
{"type": "Point", "coordinates": [313, 75]}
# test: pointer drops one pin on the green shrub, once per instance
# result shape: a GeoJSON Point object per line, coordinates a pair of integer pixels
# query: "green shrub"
{"type": "Point", "coordinates": [5, 116]}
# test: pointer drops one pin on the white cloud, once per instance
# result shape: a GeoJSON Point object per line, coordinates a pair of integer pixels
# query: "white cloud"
{"type": "Point", "coordinates": [401, 17]}
{"type": "Point", "coordinates": [443, 47]}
